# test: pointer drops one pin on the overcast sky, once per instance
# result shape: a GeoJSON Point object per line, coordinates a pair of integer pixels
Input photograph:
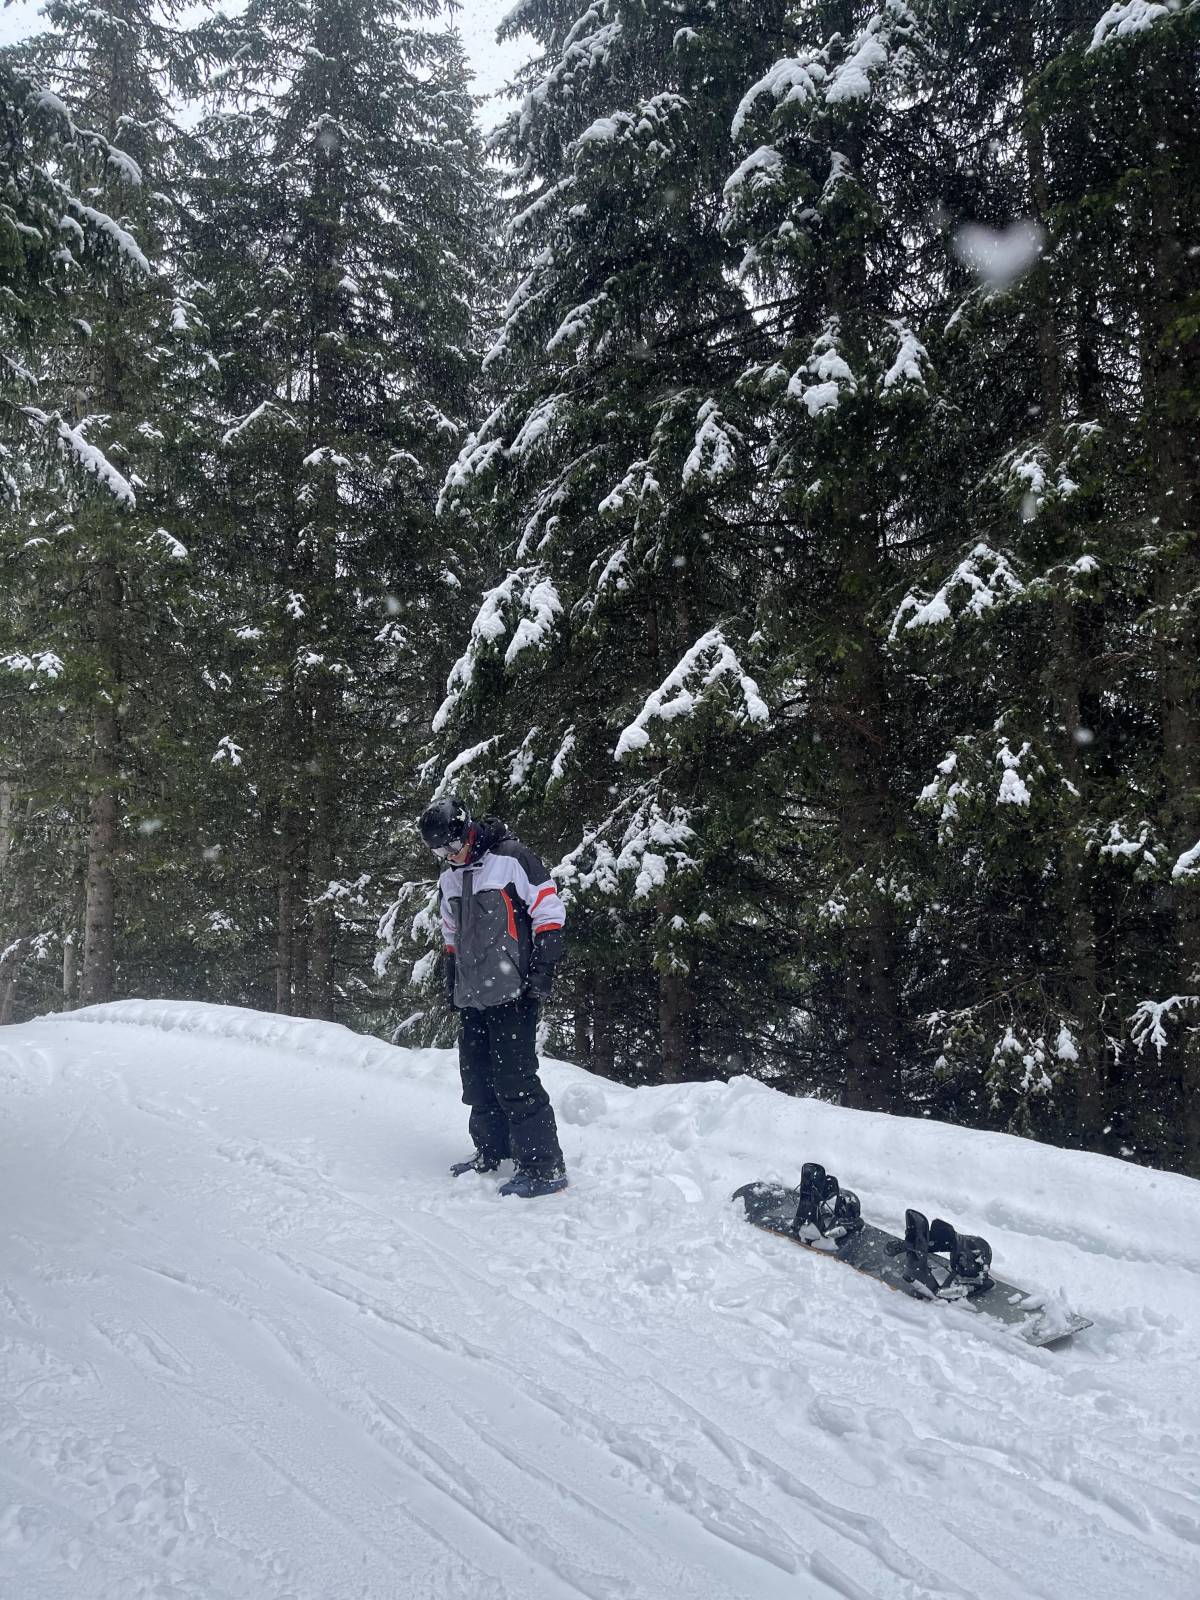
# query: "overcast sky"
{"type": "Point", "coordinates": [477, 18]}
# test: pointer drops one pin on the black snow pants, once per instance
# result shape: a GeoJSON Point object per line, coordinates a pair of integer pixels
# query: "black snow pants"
{"type": "Point", "coordinates": [511, 1114]}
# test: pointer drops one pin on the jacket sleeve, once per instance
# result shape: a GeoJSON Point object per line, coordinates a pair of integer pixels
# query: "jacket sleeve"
{"type": "Point", "coordinates": [547, 917]}
{"type": "Point", "coordinates": [449, 960]}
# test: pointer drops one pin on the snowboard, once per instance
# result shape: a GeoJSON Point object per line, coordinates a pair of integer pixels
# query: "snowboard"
{"type": "Point", "coordinates": [931, 1262]}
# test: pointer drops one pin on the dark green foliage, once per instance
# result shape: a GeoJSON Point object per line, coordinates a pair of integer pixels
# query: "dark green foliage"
{"type": "Point", "coordinates": [341, 215]}
{"type": "Point", "coordinates": [262, 598]}
{"type": "Point", "coordinates": [634, 546]}
{"type": "Point", "coordinates": [816, 414]}
{"type": "Point", "coordinates": [929, 467]}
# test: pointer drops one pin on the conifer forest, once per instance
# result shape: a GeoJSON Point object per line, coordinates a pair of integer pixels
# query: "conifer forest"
{"type": "Point", "coordinates": [763, 468]}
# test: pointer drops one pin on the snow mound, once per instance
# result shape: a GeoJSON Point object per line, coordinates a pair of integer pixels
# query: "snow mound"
{"type": "Point", "coordinates": [329, 1042]}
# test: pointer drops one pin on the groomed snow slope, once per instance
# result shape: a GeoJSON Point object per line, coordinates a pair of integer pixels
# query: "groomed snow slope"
{"type": "Point", "coordinates": [256, 1345]}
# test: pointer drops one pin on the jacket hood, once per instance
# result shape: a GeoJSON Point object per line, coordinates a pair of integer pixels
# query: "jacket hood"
{"type": "Point", "coordinates": [490, 831]}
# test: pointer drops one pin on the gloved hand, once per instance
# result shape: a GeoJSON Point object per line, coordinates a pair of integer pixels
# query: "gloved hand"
{"type": "Point", "coordinates": [538, 985]}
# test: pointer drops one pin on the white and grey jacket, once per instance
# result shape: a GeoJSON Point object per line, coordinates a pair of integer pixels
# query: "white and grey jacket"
{"type": "Point", "coordinates": [503, 920]}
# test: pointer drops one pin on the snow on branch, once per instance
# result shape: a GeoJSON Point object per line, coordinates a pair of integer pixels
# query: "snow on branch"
{"type": "Point", "coordinates": [558, 766]}
{"type": "Point", "coordinates": [804, 79]}
{"type": "Point", "coordinates": [652, 846]}
{"type": "Point", "coordinates": [1132, 16]}
{"type": "Point", "coordinates": [325, 456]}
{"type": "Point", "coordinates": [523, 760]}
{"type": "Point", "coordinates": [540, 203]}
{"type": "Point", "coordinates": [119, 238]}
{"type": "Point", "coordinates": [1148, 1019]}
{"type": "Point", "coordinates": [1028, 473]}
{"type": "Point", "coordinates": [637, 486]}
{"type": "Point", "coordinates": [536, 425]}
{"type": "Point", "coordinates": [525, 590]}
{"type": "Point", "coordinates": [227, 751]}
{"type": "Point", "coordinates": [882, 44]}
{"type": "Point", "coordinates": [1014, 791]}
{"type": "Point", "coordinates": [91, 460]}
{"type": "Point", "coordinates": [636, 839]}
{"type": "Point", "coordinates": [476, 456]}
{"type": "Point", "coordinates": [714, 450]}
{"type": "Point", "coordinates": [1188, 865]}
{"type": "Point", "coordinates": [578, 323]}
{"type": "Point", "coordinates": [985, 577]}
{"type": "Point", "coordinates": [46, 104]}
{"type": "Point", "coordinates": [762, 169]}
{"type": "Point", "coordinates": [535, 629]}
{"type": "Point", "coordinates": [1122, 845]}
{"type": "Point", "coordinates": [793, 81]}
{"type": "Point", "coordinates": [650, 120]}
{"type": "Point", "coordinates": [268, 409]}
{"type": "Point", "coordinates": [912, 359]}
{"type": "Point", "coordinates": [43, 664]}
{"type": "Point", "coordinates": [829, 367]}
{"type": "Point", "coordinates": [532, 289]}
{"type": "Point", "coordinates": [710, 656]}
{"type": "Point", "coordinates": [462, 761]}
{"type": "Point", "coordinates": [851, 79]}
{"type": "Point", "coordinates": [587, 45]}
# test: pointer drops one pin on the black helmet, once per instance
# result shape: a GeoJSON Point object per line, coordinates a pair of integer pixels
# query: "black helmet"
{"type": "Point", "coordinates": [445, 824]}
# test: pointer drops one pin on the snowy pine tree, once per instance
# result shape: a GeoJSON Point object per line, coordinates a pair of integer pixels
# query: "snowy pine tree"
{"type": "Point", "coordinates": [1049, 801]}
{"type": "Point", "coordinates": [606, 695]}
{"type": "Point", "coordinates": [342, 215]}
{"type": "Point", "coordinates": [97, 576]}
{"type": "Point", "coordinates": [827, 206]}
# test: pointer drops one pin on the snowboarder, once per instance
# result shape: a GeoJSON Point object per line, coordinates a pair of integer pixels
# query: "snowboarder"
{"type": "Point", "coordinates": [503, 919]}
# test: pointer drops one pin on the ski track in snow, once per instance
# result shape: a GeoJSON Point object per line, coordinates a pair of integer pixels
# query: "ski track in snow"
{"type": "Point", "coordinates": [256, 1345]}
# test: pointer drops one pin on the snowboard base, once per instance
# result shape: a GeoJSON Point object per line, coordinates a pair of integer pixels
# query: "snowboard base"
{"type": "Point", "coordinates": [881, 1255]}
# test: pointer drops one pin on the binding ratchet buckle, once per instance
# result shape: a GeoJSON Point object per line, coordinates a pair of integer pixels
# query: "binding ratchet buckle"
{"type": "Point", "coordinates": [823, 1209]}
{"type": "Point", "coordinates": [967, 1258]}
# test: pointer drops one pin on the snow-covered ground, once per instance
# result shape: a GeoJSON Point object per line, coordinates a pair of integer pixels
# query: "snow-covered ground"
{"type": "Point", "coordinates": [255, 1344]}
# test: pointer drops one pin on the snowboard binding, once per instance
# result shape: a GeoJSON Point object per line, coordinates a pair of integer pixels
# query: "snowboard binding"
{"type": "Point", "coordinates": [968, 1257]}
{"type": "Point", "coordinates": [824, 1210]}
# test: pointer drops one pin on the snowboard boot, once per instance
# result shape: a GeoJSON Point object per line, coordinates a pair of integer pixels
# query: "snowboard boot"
{"type": "Point", "coordinates": [529, 1185]}
{"type": "Point", "coordinates": [477, 1163]}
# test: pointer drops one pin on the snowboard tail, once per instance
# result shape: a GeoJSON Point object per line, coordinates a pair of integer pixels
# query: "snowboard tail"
{"type": "Point", "coordinates": [933, 1261]}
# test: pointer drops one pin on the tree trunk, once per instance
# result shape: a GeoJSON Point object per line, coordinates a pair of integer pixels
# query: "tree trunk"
{"type": "Point", "coordinates": [326, 381]}
{"type": "Point", "coordinates": [873, 1051]}
{"type": "Point", "coordinates": [74, 923]}
{"type": "Point", "coordinates": [867, 835]}
{"type": "Point", "coordinates": [1049, 347]}
{"type": "Point", "coordinates": [100, 905]}
{"type": "Point", "coordinates": [675, 1026]}
{"type": "Point", "coordinates": [323, 850]}
{"type": "Point", "coordinates": [7, 800]}
{"type": "Point", "coordinates": [604, 1053]}
{"type": "Point", "coordinates": [581, 1018]}
{"type": "Point", "coordinates": [1171, 380]}
{"type": "Point", "coordinates": [70, 969]}
{"type": "Point", "coordinates": [285, 900]}
{"type": "Point", "coordinates": [1076, 922]}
